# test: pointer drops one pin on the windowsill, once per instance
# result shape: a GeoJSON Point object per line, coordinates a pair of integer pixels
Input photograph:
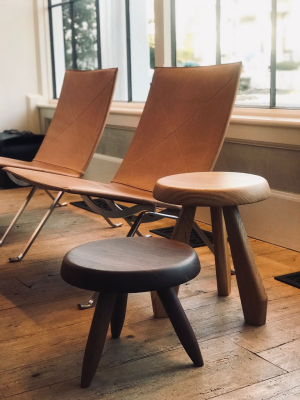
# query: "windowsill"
{"type": "Point", "coordinates": [247, 124]}
{"type": "Point", "coordinates": [247, 116]}
{"type": "Point", "coordinates": [266, 117]}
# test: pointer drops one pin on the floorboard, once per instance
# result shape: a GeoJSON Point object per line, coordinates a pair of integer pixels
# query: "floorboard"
{"type": "Point", "coordinates": [43, 334]}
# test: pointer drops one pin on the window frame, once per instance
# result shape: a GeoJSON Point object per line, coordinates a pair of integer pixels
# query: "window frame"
{"type": "Point", "coordinates": [273, 58]}
{"type": "Point", "coordinates": [127, 114]}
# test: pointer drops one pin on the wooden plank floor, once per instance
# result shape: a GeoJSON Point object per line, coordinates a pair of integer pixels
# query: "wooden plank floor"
{"type": "Point", "coordinates": [43, 335]}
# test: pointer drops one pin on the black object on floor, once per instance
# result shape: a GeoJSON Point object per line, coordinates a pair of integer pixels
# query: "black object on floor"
{"type": "Point", "coordinates": [195, 239]}
{"type": "Point", "coordinates": [290, 279]}
{"type": "Point", "coordinates": [81, 204]}
{"type": "Point", "coordinates": [20, 146]}
{"type": "Point", "coordinates": [99, 202]}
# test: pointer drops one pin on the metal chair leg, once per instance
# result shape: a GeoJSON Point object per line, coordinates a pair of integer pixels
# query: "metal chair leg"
{"type": "Point", "coordinates": [91, 303]}
{"type": "Point", "coordinates": [53, 198]}
{"type": "Point", "coordinates": [108, 220]}
{"type": "Point", "coordinates": [136, 231]}
{"type": "Point", "coordinates": [38, 229]}
{"type": "Point", "coordinates": [18, 215]}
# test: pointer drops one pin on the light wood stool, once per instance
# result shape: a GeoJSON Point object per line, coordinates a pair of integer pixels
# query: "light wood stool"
{"type": "Point", "coordinates": [222, 192]}
{"type": "Point", "coordinates": [116, 267]}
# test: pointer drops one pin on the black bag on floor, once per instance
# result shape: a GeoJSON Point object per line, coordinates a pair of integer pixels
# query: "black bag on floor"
{"type": "Point", "coordinates": [18, 145]}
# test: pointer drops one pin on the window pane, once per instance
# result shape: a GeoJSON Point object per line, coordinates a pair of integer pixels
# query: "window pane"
{"type": "Point", "coordinates": [142, 32]}
{"type": "Point", "coordinates": [113, 42]}
{"type": "Point", "coordinates": [59, 45]}
{"type": "Point", "coordinates": [68, 37]}
{"type": "Point", "coordinates": [80, 53]}
{"type": "Point", "coordinates": [195, 32]}
{"type": "Point", "coordinates": [246, 36]}
{"type": "Point", "coordinates": [85, 29]}
{"type": "Point", "coordinates": [53, 2]}
{"type": "Point", "coordinates": [288, 54]}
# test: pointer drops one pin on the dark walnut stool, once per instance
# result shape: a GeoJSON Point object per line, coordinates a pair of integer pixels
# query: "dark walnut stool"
{"type": "Point", "coordinates": [116, 267]}
{"type": "Point", "coordinates": [222, 192]}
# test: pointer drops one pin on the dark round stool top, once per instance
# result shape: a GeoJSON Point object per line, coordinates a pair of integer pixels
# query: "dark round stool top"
{"type": "Point", "coordinates": [129, 265]}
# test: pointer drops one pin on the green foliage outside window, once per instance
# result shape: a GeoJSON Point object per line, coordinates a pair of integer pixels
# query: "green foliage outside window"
{"type": "Point", "coordinates": [85, 30]}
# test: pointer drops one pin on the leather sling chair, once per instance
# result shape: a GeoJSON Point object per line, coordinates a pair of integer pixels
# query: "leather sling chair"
{"type": "Point", "coordinates": [73, 135]}
{"type": "Point", "coordinates": [182, 129]}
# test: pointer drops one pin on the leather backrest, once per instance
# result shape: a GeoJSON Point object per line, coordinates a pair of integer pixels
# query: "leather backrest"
{"type": "Point", "coordinates": [79, 119]}
{"type": "Point", "coordinates": [183, 124]}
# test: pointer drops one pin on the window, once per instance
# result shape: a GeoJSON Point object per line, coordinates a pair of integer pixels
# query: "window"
{"type": "Point", "coordinates": [92, 34]}
{"type": "Point", "coordinates": [263, 34]}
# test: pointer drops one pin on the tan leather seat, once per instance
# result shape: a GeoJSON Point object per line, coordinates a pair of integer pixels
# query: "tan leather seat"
{"type": "Point", "coordinates": [74, 132]}
{"type": "Point", "coordinates": [182, 129]}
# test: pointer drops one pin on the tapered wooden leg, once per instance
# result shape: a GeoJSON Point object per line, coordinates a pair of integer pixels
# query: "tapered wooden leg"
{"type": "Point", "coordinates": [181, 233]}
{"type": "Point", "coordinates": [252, 292]}
{"type": "Point", "coordinates": [97, 336]}
{"type": "Point", "coordinates": [118, 315]}
{"type": "Point", "coordinates": [158, 309]}
{"type": "Point", "coordinates": [181, 325]}
{"type": "Point", "coordinates": [222, 262]}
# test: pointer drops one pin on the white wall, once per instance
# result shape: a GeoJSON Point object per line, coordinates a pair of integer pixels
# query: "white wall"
{"type": "Point", "coordinates": [18, 66]}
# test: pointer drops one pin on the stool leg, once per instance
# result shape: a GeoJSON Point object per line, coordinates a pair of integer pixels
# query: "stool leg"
{"type": "Point", "coordinates": [181, 233]}
{"type": "Point", "coordinates": [158, 308]}
{"type": "Point", "coordinates": [252, 292]}
{"type": "Point", "coordinates": [97, 336]}
{"type": "Point", "coordinates": [118, 315]}
{"type": "Point", "coordinates": [181, 324]}
{"type": "Point", "coordinates": [222, 262]}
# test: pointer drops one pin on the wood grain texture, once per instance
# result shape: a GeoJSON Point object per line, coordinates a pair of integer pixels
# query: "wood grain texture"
{"type": "Point", "coordinates": [286, 356]}
{"type": "Point", "coordinates": [97, 336]}
{"type": "Point", "coordinates": [157, 306]}
{"type": "Point", "coordinates": [43, 334]}
{"type": "Point", "coordinates": [181, 233]}
{"type": "Point", "coordinates": [223, 269]}
{"type": "Point", "coordinates": [211, 189]}
{"type": "Point", "coordinates": [118, 315]}
{"type": "Point", "coordinates": [130, 264]}
{"type": "Point", "coordinates": [184, 224]}
{"type": "Point", "coordinates": [181, 325]}
{"type": "Point", "coordinates": [227, 190]}
{"type": "Point", "coordinates": [252, 292]}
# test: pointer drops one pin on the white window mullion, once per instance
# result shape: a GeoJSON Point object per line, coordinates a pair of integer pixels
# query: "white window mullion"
{"type": "Point", "coordinates": [162, 12]}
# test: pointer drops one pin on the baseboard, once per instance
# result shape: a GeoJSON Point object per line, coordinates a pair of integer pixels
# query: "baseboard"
{"type": "Point", "coordinates": [275, 220]}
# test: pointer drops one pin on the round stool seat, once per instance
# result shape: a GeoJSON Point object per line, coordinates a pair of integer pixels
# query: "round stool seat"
{"type": "Point", "coordinates": [129, 265]}
{"type": "Point", "coordinates": [211, 189]}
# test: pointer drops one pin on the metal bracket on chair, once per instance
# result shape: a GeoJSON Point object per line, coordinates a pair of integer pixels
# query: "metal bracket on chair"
{"type": "Point", "coordinates": [112, 206]}
{"type": "Point", "coordinates": [116, 211]}
{"type": "Point", "coordinates": [136, 231]}
{"type": "Point", "coordinates": [53, 198]}
{"type": "Point", "coordinates": [112, 224]}
{"type": "Point", "coordinates": [144, 214]}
